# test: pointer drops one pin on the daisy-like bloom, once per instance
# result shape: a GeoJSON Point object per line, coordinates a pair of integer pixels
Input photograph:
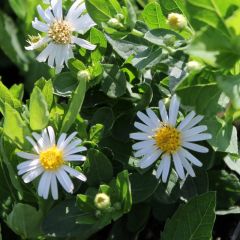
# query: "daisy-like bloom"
{"type": "Point", "coordinates": [59, 32]}
{"type": "Point", "coordinates": [51, 160]}
{"type": "Point", "coordinates": [168, 140]}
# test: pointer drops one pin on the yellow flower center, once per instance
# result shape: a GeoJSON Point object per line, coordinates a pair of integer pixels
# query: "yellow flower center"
{"type": "Point", "coordinates": [51, 159]}
{"type": "Point", "coordinates": [60, 32]}
{"type": "Point", "coordinates": [168, 139]}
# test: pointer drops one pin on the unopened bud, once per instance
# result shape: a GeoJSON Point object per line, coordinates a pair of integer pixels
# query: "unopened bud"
{"type": "Point", "coordinates": [193, 66]}
{"type": "Point", "coordinates": [84, 75]}
{"type": "Point", "coordinates": [115, 23]}
{"type": "Point", "coordinates": [102, 201]}
{"type": "Point", "coordinates": [120, 17]}
{"type": "Point", "coordinates": [177, 21]}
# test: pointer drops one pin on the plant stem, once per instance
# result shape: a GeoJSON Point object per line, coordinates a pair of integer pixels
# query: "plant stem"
{"type": "Point", "coordinates": [137, 33]}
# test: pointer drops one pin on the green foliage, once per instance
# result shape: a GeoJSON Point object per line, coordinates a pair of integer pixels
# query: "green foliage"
{"type": "Point", "coordinates": [200, 216]}
{"type": "Point", "coordinates": [139, 59]}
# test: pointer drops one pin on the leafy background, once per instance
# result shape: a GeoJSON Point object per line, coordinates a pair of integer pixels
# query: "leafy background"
{"type": "Point", "coordinates": [132, 68]}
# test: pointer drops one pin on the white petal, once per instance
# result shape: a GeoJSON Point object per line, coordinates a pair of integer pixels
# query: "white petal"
{"type": "Point", "coordinates": [28, 168]}
{"type": "Point", "coordinates": [82, 24]}
{"type": "Point", "coordinates": [27, 164]}
{"type": "Point", "coordinates": [194, 130]}
{"type": "Point", "coordinates": [195, 147]}
{"type": "Point", "coordinates": [139, 136]}
{"type": "Point", "coordinates": [188, 167]}
{"type": "Point", "coordinates": [186, 120]}
{"type": "Point", "coordinates": [75, 10]}
{"type": "Point", "coordinates": [51, 135]}
{"type": "Point", "coordinates": [46, 139]}
{"type": "Point", "coordinates": [42, 14]}
{"type": "Point", "coordinates": [75, 173]}
{"type": "Point", "coordinates": [75, 150]}
{"type": "Point", "coordinates": [173, 110]}
{"type": "Point", "coordinates": [145, 151]}
{"type": "Point", "coordinates": [163, 111]}
{"type": "Point", "coordinates": [149, 160]}
{"type": "Point", "coordinates": [44, 183]}
{"type": "Point", "coordinates": [190, 157]}
{"type": "Point", "coordinates": [38, 44]}
{"type": "Point", "coordinates": [83, 43]}
{"type": "Point", "coordinates": [39, 140]}
{"type": "Point", "coordinates": [61, 139]}
{"type": "Point", "coordinates": [42, 57]}
{"type": "Point", "coordinates": [72, 145]}
{"type": "Point", "coordinates": [54, 187]}
{"type": "Point", "coordinates": [34, 144]}
{"type": "Point", "coordinates": [65, 180]}
{"type": "Point", "coordinates": [40, 26]}
{"type": "Point", "coordinates": [166, 167]}
{"type": "Point", "coordinates": [67, 141]}
{"type": "Point", "coordinates": [143, 144]}
{"type": "Point", "coordinates": [160, 169]}
{"type": "Point", "coordinates": [57, 9]}
{"type": "Point", "coordinates": [178, 166]}
{"type": "Point", "coordinates": [143, 128]}
{"type": "Point", "coordinates": [198, 137]}
{"type": "Point", "coordinates": [145, 119]}
{"type": "Point", "coordinates": [153, 116]}
{"type": "Point", "coordinates": [52, 56]}
{"type": "Point", "coordinates": [28, 177]}
{"type": "Point", "coordinates": [75, 157]}
{"type": "Point", "coordinates": [27, 155]}
{"type": "Point", "coordinates": [193, 122]}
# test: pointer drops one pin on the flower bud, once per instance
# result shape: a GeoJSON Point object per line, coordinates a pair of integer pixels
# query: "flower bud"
{"type": "Point", "coordinates": [120, 17]}
{"type": "Point", "coordinates": [102, 201]}
{"type": "Point", "coordinates": [193, 66]}
{"type": "Point", "coordinates": [177, 21]}
{"type": "Point", "coordinates": [115, 23]}
{"type": "Point", "coordinates": [84, 75]}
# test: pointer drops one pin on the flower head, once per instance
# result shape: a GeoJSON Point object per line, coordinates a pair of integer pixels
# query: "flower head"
{"type": "Point", "coordinates": [59, 32]}
{"type": "Point", "coordinates": [193, 66]}
{"type": "Point", "coordinates": [102, 201]}
{"type": "Point", "coordinates": [176, 21]}
{"type": "Point", "coordinates": [168, 140]}
{"type": "Point", "coordinates": [51, 160]}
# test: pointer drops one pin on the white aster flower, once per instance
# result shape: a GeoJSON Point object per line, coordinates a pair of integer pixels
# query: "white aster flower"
{"type": "Point", "coordinates": [59, 32]}
{"type": "Point", "coordinates": [168, 140]}
{"type": "Point", "coordinates": [177, 21]}
{"type": "Point", "coordinates": [51, 160]}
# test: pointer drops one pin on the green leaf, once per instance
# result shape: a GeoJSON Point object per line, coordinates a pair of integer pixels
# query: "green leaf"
{"type": "Point", "coordinates": [7, 97]}
{"type": "Point", "coordinates": [114, 81]}
{"type": "Point", "coordinates": [38, 110]}
{"type": "Point", "coordinates": [74, 106]}
{"type": "Point", "coordinates": [143, 186]}
{"type": "Point", "coordinates": [222, 53]}
{"type": "Point", "coordinates": [64, 221]}
{"type": "Point", "coordinates": [14, 126]}
{"type": "Point", "coordinates": [227, 187]}
{"type": "Point", "coordinates": [17, 91]}
{"type": "Point", "coordinates": [124, 190]}
{"type": "Point", "coordinates": [153, 16]}
{"type": "Point", "coordinates": [102, 10]}
{"type": "Point", "coordinates": [100, 168]}
{"type": "Point", "coordinates": [96, 133]}
{"type": "Point", "coordinates": [25, 220]}
{"type": "Point", "coordinates": [98, 38]}
{"type": "Point", "coordinates": [64, 84]}
{"type": "Point", "coordinates": [19, 7]}
{"type": "Point", "coordinates": [173, 6]}
{"type": "Point", "coordinates": [128, 46]}
{"type": "Point", "coordinates": [224, 135]}
{"type": "Point", "coordinates": [193, 220]}
{"type": "Point", "coordinates": [230, 85]}
{"type": "Point", "coordinates": [105, 117]}
{"type": "Point", "coordinates": [9, 42]}
{"type": "Point", "coordinates": [210, 12]}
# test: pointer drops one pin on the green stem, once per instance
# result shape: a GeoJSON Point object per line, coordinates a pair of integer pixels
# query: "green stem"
{"type": "Point", "coordinates": [137, 33]}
